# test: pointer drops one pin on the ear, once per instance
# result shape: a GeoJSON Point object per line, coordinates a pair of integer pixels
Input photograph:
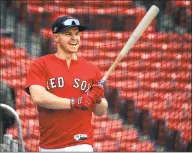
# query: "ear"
{"type": "Point", "coordinates": [56, 38]}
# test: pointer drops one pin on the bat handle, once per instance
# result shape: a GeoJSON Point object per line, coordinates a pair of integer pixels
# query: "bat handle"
{"type": "Point", "coordinates": [101, 83]}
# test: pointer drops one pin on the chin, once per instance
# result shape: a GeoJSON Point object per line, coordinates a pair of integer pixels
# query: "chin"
{"type": "Point", "coordinates": [74, 51]}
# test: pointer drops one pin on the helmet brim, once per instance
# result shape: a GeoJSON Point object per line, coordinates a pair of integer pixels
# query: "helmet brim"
{"type": "Point", "coordinates": [80, 27]}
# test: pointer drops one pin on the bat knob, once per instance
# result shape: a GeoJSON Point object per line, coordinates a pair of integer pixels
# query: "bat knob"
{"type": "Point", "coordinates": [101, 83]}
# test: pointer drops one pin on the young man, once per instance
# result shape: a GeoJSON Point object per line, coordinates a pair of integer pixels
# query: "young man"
{"type": "Point", "coordinates": [65, 89]}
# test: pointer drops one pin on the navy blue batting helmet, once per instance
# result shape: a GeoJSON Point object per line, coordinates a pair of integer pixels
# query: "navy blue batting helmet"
{"type": "Point", "coordinates": [64, 22]}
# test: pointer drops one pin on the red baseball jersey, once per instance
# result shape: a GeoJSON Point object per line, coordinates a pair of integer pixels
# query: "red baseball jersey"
{"type": "Point", "coordinates": [62, 128]}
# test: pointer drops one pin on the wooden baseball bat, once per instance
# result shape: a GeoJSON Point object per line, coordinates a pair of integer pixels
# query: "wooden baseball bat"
{"type": "Point", "coordinates": [141, 27]}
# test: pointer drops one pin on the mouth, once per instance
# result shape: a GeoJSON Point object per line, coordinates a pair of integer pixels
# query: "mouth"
{"type": "Point", "coordinates": [73, 44]}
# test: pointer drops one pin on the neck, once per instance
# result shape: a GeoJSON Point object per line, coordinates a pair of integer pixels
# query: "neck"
{"type": "Point", "coordinates": [66, 56]}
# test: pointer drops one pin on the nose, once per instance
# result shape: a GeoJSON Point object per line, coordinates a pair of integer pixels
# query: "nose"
{"type": "Point", "coordinates": [74, 36]}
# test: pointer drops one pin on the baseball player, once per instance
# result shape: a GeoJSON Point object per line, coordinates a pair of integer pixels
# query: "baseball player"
{"type": "Point", "coordinates": [65, 89]}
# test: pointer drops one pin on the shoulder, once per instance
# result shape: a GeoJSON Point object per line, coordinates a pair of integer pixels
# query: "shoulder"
{"type": "Point", "coordinates": [88, 64]}
{"type": "Point", "coordinates": [92, 69]}
{"type": "Point", "coordinates": [42, 60]}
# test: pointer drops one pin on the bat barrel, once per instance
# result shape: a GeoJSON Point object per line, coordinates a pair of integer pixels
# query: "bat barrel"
{"type": "Point", "coordinates": [141, 27]}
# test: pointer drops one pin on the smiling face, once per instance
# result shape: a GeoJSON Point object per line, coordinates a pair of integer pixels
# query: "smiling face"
{"type": "Point", "coordinates": [68, 41]}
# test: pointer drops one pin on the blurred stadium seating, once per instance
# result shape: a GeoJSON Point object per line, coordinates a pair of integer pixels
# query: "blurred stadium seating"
{"type": "Point", "coordinates": [150, 89]}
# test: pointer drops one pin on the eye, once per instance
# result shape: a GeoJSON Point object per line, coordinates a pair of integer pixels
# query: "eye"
{"type": "Point", "coordinates": [68, 34]}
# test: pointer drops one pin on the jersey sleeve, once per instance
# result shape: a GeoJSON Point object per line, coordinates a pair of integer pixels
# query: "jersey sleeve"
{"type": "Point", "coordinates": [36, 75]}
{"type": "Point", "coordinates": [98, 75]}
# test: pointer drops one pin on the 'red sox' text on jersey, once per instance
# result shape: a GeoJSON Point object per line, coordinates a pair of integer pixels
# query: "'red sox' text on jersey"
{"type": "Point", "coordinates": [65, 126]}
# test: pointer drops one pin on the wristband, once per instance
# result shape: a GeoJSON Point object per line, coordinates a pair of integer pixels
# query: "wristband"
{"type": "Point", "coordinates": [99, 101]}
{"type": "Point", "coordinates": [72, 102]}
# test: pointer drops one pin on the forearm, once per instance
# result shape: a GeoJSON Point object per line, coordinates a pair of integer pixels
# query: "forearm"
{"type": "Point", "coordinates": [48, 100]}
{"type": "Point", "coordinates": [51, 101]}
{"type": "Point", "coordinates": [100, 109]}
